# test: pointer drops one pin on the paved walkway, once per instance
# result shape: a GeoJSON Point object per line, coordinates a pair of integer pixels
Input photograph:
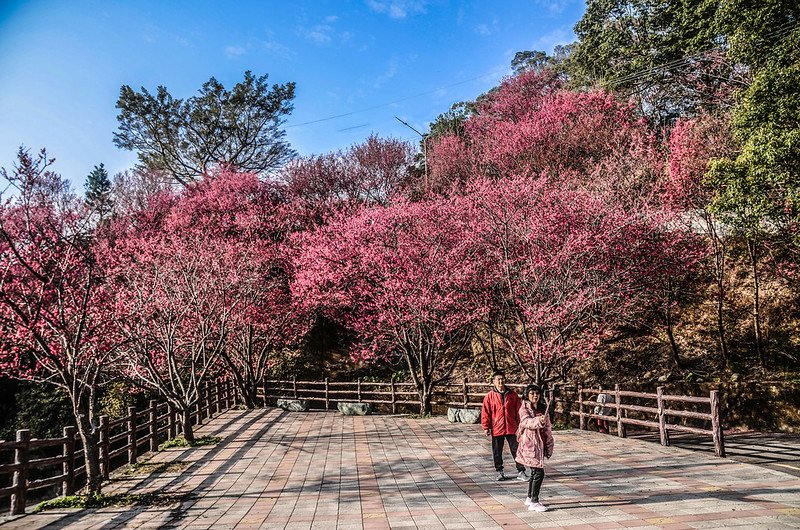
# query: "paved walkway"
{"type": "Point", "coordinates": [275, 469]}
{"type": "Point", "coordinates": [775, 450]}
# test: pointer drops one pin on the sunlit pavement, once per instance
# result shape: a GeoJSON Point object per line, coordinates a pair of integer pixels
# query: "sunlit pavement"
{"type": "Point", "coordinates": [276, 469]}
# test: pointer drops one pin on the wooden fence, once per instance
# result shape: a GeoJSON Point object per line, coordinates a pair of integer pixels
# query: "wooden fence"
{"type": "Point", "coordinates": [661, 412]}
{"type": "Point", "coordinates": [394, 395]}
{"type": "Point", "coordinates": [121, 442]}
{"type": "Point", "coordinates": [470, 395]}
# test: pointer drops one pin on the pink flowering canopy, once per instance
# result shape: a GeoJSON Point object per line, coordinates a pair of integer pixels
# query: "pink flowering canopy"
{"type": "Point", "coordinates": [404, 278]}
{"type": "Point", "coordinates": [568, 266]}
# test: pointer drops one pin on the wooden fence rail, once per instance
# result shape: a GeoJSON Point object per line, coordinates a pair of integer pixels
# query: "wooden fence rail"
{"type": "Point", "coordinates": [470, 395]}
{"type": "Point", "coordinates": [661, 411]}
{"type": "Point", "coordinates": [121, 442]}
{"type": "Point", "coordinates": [396, 395]}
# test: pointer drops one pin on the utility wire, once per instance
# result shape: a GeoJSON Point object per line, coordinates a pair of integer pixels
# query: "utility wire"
{"type": "Point", "coordinates": [784, 28]}
{"type": "Point", "coordinates": [382, 105]}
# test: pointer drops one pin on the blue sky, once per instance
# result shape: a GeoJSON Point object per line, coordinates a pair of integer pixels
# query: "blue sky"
{"type": "Point", "coordinates": [62, 63]}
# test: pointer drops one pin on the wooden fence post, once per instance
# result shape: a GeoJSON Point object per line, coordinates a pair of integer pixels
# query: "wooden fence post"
{"type": "Point", "coordinates": [105, 462]}
{"type": "Point", "coordinates": [466, 393]}
{"type": "Point", "coordinates": [153, 426]}
{"type": "Point", "coordinates": [327, 392]}
{"type": "Point", "coordinates": [620, 426]}
{"type": "Point", "coordinates": [294, 386]}
{"type": "Point", "coordinates": [359, 389]}
{"type": "Point", "coordinates": [265, 385]}
{"type": "Point", "coordinates": [68, 467]}
{"type": "Point", "coordinates": [662, 419]}
{"type": "Point", "coordinates": [217, 392]}
{"type": "Point", "coordinates": [132, 435]}
{"type": "Point", "coordinates": [581, 422]}
{"type": "Point", "coordinates": [394, 398]}
{"type": "Point", "coordinates": [19, 480]}
{"type": "Point", "coordinates": [716, 424]}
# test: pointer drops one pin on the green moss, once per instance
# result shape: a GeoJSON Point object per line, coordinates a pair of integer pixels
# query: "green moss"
{"type": "Point", "coordinates": [155, 498]}
{"type": "Point", "coordinates": [180, 441]}
{"type": "Point", "coordinates": [147, 468]}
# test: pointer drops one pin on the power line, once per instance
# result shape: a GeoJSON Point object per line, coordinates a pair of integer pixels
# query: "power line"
{"type": "Point", "coordinates": [784, 28]}
{"type": "Point", "coordinates": [382, 105]}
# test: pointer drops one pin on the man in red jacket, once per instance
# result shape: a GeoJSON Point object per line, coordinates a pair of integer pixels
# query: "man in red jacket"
{"type": "Point", "coordinates": [500, 419]}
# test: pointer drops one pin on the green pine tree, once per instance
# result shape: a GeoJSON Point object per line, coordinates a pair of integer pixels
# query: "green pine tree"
{"type": "Point", "coordinates": [98, 192]}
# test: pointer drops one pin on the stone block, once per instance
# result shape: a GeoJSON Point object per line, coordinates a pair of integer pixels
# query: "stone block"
{"type": "Point", "coordinates": [354, 409]}
{"type": "Point", "coordinates": [293, 405]}
{"type": "Point", "coordinates": [463, 415]}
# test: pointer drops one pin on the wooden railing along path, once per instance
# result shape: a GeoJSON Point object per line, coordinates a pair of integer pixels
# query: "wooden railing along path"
{"type": "Point", "coordinates": [470, 395]}
{"type": "Point", "coordinates": [395, 395]}
{"type": "Point", "coordinates": [663, 410]}
{"type": "Point", "coordinates": [121, 442]}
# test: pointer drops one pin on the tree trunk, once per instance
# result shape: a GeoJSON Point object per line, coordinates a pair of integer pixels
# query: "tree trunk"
{"type": "Point", "coordinates": [90, 438]}
{"type": "Point", "coordinates": [425, 406]}
{"type": "Point", "coordinates": [752, 249]}
{"type": "Point", "coordinates": [675, 352]}
{"type": "Point", "coordinates": [186, 424]}
{"type": "Point", "coordinates": [719, 275]}
{"type": "Point", "coordinates": [249, 395]}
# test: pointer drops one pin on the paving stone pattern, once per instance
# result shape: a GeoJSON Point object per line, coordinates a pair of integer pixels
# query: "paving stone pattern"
{"type": "Point", "coordinates": [279, 469]}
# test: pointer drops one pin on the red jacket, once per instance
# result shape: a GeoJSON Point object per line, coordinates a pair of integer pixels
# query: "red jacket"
{"type": "Point", "coordinates": [500, 412]}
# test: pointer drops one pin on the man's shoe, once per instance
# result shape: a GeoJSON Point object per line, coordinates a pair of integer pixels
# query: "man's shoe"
{"type": "Point", "coordinates": [528, 501]}
{"type": "Point", "coordinates": [501, 475]}
{"type": "Point", "coordinates": [537, 507]}
{"type": "Point", "coordinates": [522, 476]}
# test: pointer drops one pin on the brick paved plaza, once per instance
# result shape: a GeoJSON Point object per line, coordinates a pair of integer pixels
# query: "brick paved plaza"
{"type": "Point", "coordinates": [276, 469]}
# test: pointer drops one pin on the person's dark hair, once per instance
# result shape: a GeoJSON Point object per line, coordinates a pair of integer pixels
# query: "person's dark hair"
{"type": "Point", "coordinates": [534, 388]}
{"type": "Point", "coordinates": [498, 372]}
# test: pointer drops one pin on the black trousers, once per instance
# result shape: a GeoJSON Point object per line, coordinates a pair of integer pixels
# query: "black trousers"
{"type": "Point", "coordinates": [497, 450]}
{"type": "Point", "coordinates": [535, 483]}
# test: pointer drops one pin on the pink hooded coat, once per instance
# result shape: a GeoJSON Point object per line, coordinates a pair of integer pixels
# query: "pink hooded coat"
{"type": "Point", "coordinates": [534, 436]}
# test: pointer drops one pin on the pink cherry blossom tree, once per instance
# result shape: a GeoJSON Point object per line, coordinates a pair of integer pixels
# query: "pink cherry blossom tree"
{"type": "Point", "coordinates": [405, 279]}
{"type": "Point", "coordinates": [54, 325]}
{"type": "Point", "coordinates": [246, 217]}
{"type": "Point", "coordinates": [531, 127]}
{"type": "Point", "coordinates": [568, 266]}
{"type": "Point", "coordinates": [365, 174]}
{"type": "Point", "coordinates": [693, 143]}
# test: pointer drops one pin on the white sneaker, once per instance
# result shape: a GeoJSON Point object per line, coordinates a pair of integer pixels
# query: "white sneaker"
{"type": "Point", "coordinates": [522, 476]}
{"type": "Point", "coordinates": [537, 507]}
{"type": "Point", "coordinates": [528, 501]}
{"type": "Point", "coordinates": [500, 475]}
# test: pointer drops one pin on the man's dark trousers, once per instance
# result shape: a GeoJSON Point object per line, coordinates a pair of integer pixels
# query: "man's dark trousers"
{"type": "Point", "coordinates": [497, 451]}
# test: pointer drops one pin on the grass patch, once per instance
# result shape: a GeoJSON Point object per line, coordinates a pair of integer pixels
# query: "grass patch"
{"type": "Point", "coordinates": [146, 468]}
{"type": "Point", "coordinates": [419, 416]}
{"type": "Point", "coordinates": [560, 426]}
{"type": "Point", "coordinates": [180, 441]}
{"type": "Point", "coordinates": [101, 500]}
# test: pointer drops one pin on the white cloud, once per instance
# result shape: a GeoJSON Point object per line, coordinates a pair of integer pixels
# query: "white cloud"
{"type": "Point", "coordinates": [556, 37]}
{"type": "Point", "coordinates": [482, 29]}
{"type": "Point", "coordinates": [321, 33]}
{"type": "Point", "coordinates": [390, 72]}
{"type": "Point", "coordinates": [325, 33]}
{"type": "Point", "coordinates": [554, 6]}
{"type": "Point", "coordinates": [232, 52]}
{"type": "Point", "coordinates": [397, 8]}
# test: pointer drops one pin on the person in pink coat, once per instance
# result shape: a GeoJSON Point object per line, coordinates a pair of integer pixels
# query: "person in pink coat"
{"type": "Point", "coordinates": [535, 438]}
